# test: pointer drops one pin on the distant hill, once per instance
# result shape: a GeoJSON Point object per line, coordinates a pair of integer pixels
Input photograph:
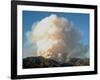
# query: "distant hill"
{"type": "Point", "coordinates": [79, 61]}
{"type": "Point", "coordinates": [40, 62]}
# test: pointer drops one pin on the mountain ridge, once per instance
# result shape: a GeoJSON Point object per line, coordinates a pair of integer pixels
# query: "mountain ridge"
{"type": "Point", "coordinates": [40, 62]}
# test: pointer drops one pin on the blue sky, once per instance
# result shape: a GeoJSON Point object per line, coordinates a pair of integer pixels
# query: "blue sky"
{"type": "Point", "coordinates": [80, 21]}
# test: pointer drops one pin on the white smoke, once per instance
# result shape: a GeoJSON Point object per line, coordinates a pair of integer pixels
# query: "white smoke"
{"type": "Point", "coordinates": [55, 37]}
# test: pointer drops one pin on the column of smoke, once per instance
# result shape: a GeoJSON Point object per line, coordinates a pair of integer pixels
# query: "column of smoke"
{"type": "Point", "coordinates": [55, 37]}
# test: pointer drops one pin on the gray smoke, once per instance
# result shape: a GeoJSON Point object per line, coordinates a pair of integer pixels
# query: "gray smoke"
{"type": "Point", "coordinates": [56, 38]}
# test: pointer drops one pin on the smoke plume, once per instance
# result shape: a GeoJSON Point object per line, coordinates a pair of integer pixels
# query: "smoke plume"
{"type": "Point", "coordinates": [55, 38]}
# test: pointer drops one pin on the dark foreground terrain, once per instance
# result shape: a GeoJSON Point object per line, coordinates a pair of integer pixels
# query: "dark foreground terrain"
{"type": "Point", "coordinates": [40, 62]}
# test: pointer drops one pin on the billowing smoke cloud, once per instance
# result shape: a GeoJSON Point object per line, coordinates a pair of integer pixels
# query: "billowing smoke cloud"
{"type": "Point", "coordinates": [56, 38]}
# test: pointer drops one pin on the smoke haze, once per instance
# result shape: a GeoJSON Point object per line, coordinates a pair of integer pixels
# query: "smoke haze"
{"type": "Point", "coordinates": [56, 38]}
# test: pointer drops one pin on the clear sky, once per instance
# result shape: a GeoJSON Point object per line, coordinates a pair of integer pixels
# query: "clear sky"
{"type": "Point", "coordinates": [80, 21]}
